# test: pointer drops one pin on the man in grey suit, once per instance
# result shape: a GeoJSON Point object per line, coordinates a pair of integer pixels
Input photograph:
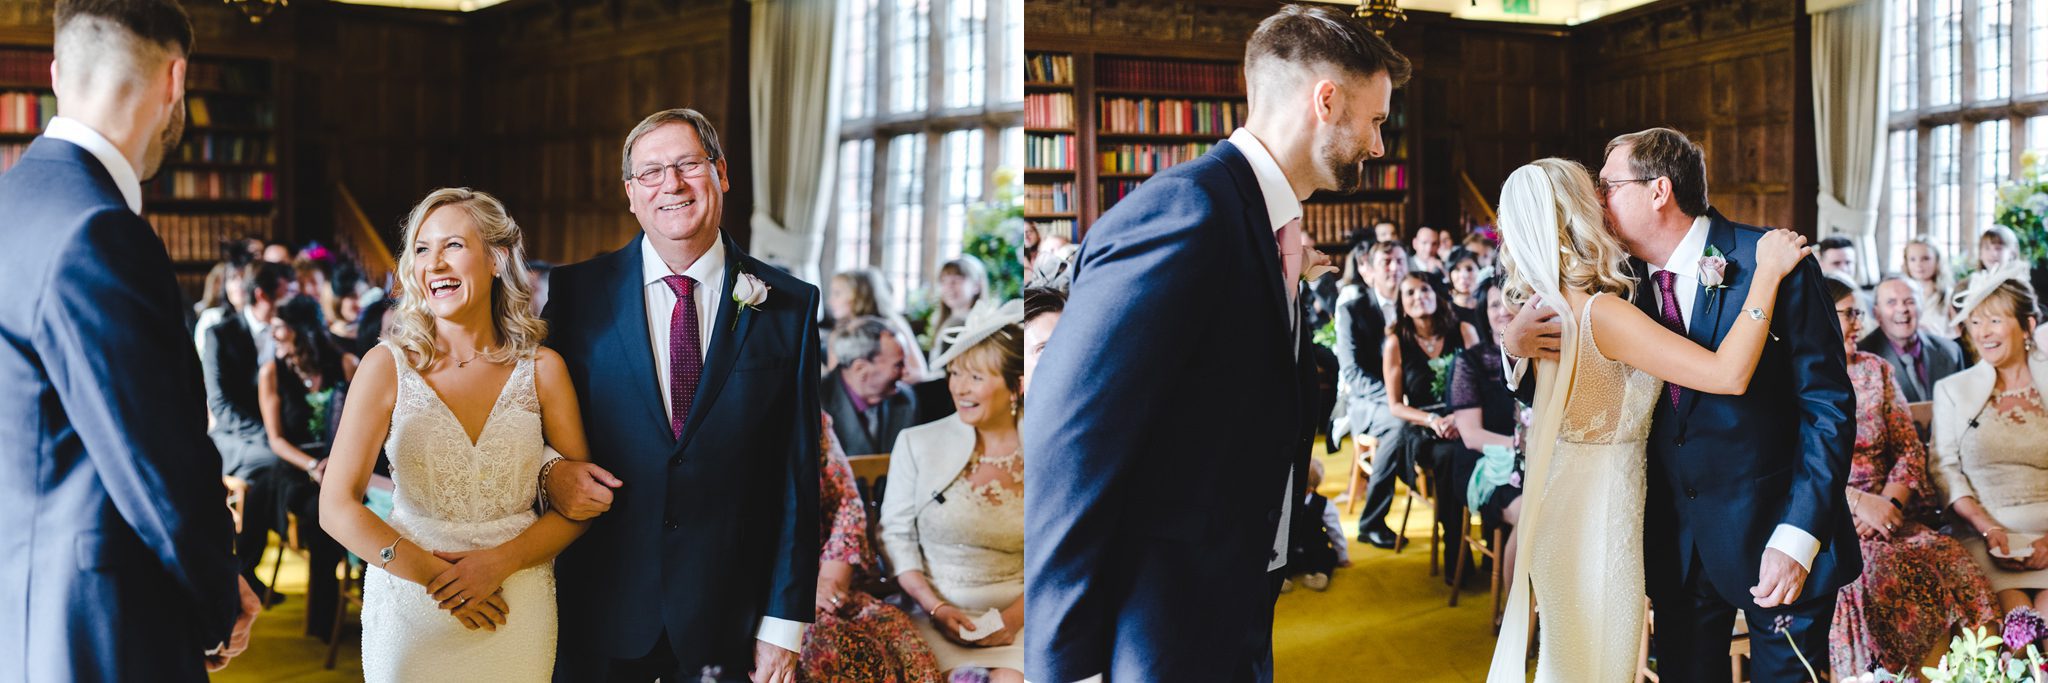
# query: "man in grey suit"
{"type": "Point", "coordinates": [233, 351]}
{"type": "Point", "coordinates": [865, 395]}
{"type": "Point", "coordinates": [1919, 359]}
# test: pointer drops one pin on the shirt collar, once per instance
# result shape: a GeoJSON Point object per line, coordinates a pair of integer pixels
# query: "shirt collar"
{"type": "Point", "coordinates": [860, 405]}
{"type": "Point", "coordinates": [1910, 348]}
{"type": "Point", "coordinates": [1281, 204]}
{"type": "Point", "coordinates": [709, 268]}
{"type": "Point", "coordinates": [1691, 249]}
{"type": "Point", "coordinates": [74, 132]}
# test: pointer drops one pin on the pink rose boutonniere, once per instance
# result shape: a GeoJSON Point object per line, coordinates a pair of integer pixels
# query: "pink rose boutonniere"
{"type": "Point", "coordinates": [749, 292]}
{"type": "Point", "coordinates": [1713, 271]}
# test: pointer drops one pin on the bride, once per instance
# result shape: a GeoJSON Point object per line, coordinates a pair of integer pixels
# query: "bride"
{"type": "Point", "coordinates": [1583, 509]}
{"type": "Point", "coordinates": [462, 397]}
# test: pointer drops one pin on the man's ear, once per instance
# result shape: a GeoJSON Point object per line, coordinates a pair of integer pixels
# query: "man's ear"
{"type": "Point", "coordinates": [176, 91]}
{"type": "Point", "coordinates": [1324, 101]}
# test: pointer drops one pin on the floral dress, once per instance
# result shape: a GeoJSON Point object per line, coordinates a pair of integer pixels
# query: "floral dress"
{"type": "Point", "coordinates": [1918, 583]}
{"type": "Point", "coordinates": [867, 640]}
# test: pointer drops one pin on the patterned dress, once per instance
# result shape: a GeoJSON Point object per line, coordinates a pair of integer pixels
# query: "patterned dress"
{"type": "Point", "coordinates": [866, 641]}
{"type": "Point", "coordinates": [1918, 583]}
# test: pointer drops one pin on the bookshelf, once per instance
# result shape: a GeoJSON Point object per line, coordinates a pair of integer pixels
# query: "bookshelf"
{"type": "Point", "coordinates": [1102, 117]}
{"type": "Point", "coordinates": [221, 182]}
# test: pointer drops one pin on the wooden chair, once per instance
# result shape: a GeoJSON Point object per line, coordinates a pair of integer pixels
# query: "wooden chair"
{"type": "Point", "coordinates": [287, 541]}
{"type": "Point", "coordinates": [1424, 490]}
{"type": "Point", "coordinates": [1738, 647]}
{"type": "Point", "coordinates": [238, 496]}
{"type": "Point", "coordinates": [1362, 449]}
{"type": "Point", "coordinates": [871, 476]}
{"type": "Point", "coordinates": [1473, 540]}
{"type": "Point", "coordinates": [378, 499]}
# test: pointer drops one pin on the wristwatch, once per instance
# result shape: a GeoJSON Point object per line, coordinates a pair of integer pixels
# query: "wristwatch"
{"type": "Point", "coordinates": [384, 556]}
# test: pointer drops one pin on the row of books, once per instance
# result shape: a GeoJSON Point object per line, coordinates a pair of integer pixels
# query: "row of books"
{"type": "Point", "coordinates": [197, 238]}
{"type": "Point", "coordinates": [213, 185]}
{"type": "Point", "coordinates": [1114, 191]}
{"type": "Point", "coordinates": [26, 112]}
{"type": "Point", "coordinates": [1331, 223]}
{"type": "Point", "coordinates": [227, 148]}
{"type": "Point", "coordinates": [1049, 197]}
{"type": "Point", "coordinates": [1044, 67]}
{"type": "Point", "coordinates": [246, 77]}
{"type": "Point", "coordinates": [1049, 151]}
{"type": "Point", "coordinates": [26, 67]}
{"type": "Point", "coordinates": [1049, 110]}
{"type": "Point", "coordinates": [1054, 227]}
{"type": "Point", "coordinates": [1148, 158]}
{"type": "Point", "coordinates": [1193, 77]}
{"type": "Point", "coordinates": [1384, 177]}
{"type": "Point", "coordinates": [10, 154]}
{"type": "Point", "coordinates": [1170, 116]}
{"type": "Point", "coordinates": [247, 114]}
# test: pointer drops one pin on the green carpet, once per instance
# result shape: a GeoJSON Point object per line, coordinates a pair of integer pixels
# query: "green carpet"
{"type": "Point", "coordinates": [1384, 618]}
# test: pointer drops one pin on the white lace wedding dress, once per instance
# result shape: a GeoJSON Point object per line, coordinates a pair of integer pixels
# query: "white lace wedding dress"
{"type": "Point", "coordinates": [454, 495]}
{"type": "Point", "coordinates": [1586, 558]}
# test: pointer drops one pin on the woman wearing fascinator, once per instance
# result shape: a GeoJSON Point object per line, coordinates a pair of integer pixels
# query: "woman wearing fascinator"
{"type": "Point", "coordinates": [1989, 422]}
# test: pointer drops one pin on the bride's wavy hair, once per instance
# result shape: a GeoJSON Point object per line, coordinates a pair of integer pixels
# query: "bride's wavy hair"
{"type": "Point", "coordinates": [1558, 195]}
{"type": "Point", "coordinates": [519, 331]}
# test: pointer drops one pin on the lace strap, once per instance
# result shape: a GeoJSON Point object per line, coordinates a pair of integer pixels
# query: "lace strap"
{"type": "Point", "coordinates": [525, 392]}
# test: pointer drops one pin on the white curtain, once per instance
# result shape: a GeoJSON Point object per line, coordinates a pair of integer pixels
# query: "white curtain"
{"type": "Point", "coordinates": [796, 129]}
{"type": "Point", "coordinates": [1850, 84]}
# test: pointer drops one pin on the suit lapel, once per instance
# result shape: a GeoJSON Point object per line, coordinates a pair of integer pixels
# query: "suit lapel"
{"type": "Point", "coordinates": [628, 336]}
{"type": "Point", "coordinates": [1708, 304]}
{"type": "Point", "coordinates": [1259, 225]}
{"type": "Point", "coordinates": [726, 337]}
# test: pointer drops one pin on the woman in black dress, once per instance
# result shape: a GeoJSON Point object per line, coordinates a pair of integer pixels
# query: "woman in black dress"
{"type": "Point", "coordinates": [300, 391]}
{"type": "Point", "coordinates": [1419, 348]}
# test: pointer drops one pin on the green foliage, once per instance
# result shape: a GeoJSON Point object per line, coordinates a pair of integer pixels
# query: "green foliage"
{"type": "Point", "coordinates": [995, 234]}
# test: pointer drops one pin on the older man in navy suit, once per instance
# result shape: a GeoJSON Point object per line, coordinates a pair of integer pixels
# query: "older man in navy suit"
{"type": "Point", "coordinates": [117, 560]}
{"type": "Point", "coordinates": [697, 367]}
{"type": "Point", "coordinates": [1164, 466]}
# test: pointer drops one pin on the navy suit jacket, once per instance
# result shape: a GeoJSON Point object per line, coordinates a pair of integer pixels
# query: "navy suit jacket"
{"type": "Point", "coordinates": [117, 558]}
{"type": "Point", "coordinates": [1162, 423]}
{"type": "Point", "coordinates": [1726, 470]}
{"type": "Point", "coordinates": [715, 530]}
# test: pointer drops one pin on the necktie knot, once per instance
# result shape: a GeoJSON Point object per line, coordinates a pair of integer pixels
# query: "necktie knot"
{"type": "Point", "coordinates": [1666, 278]}
{"type": "Point", "coordinates": [682, 285]}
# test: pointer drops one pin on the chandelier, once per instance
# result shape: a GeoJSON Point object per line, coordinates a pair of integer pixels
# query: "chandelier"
{"type": "Point", "coordinates": [256, 10]}
{"type": "Point", "coordinates": [1379, 15]}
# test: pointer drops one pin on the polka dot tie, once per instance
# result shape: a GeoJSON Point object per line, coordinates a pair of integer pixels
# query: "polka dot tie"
{"type": "Point", "coordinates": [685, 359]}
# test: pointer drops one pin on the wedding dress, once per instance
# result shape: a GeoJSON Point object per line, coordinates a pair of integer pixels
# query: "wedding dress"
{"type": "Point", "coordinates": [455, 495]}
{"type": "Point", "coordinates": [1586, 553]}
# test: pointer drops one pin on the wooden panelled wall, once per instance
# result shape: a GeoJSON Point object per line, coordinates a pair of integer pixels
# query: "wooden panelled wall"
{"type": "Point", "coordinates": [529, 100]}
{"type": "Point", "coordinates": [1488, 97]}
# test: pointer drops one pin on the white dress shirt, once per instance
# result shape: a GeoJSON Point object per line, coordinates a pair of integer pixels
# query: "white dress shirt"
{"type": "Point", "coordinates": [74, 132]}
{"type": "Point", "coordinates": [1795, 542]}
{"type": "Point", "coordinates": [709, 272]}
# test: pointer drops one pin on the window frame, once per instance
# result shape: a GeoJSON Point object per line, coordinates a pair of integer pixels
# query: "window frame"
{"type": "Point", "coordinates": [1002, 108]}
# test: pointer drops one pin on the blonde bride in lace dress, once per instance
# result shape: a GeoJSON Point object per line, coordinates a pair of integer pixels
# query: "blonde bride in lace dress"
{"type": "Point", "coordinates": [1582, 517]}
{"type": "Point", "coordinates": [465, 402]}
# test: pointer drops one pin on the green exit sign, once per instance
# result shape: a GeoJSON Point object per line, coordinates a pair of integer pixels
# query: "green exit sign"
{"type": "Point", "coordinates": [1518, 6]}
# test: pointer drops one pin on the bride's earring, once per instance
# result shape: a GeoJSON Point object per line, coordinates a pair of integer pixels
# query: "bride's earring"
{"type": "Point", "coordinates": [1016, 406]}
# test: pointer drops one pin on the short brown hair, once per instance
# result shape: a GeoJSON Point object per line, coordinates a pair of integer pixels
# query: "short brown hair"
{"type": "Point", "coordinates": [1666, 153]}
{"type": "Point", "coordinates": [1320, 34]}
{"type": "Point", "coordinates": [705, 133]}
{"type": "Point", "coordinates": [162, 22]}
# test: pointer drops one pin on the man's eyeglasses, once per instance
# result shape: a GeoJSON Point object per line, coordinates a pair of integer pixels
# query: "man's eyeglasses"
{"type": "Point", "coordinates": [653, 176]}
{"type": "Point", "coordinates": [1607, 186]}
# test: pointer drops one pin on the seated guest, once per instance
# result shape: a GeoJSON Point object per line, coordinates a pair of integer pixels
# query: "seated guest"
{"type": "Point", "coordinates": [1386, 231]}
{"type": "Point", "coordinates": [1484, 409]}
{"type": "Point", "coordinates": [232, 353]}
{"type": "Point", "coordinates": [1918, 359]}
{"type": "Point", "coordinates": [1837, 256]}
{"type": "Point", "coordinates": [1425, 258]}
{"type": "Point", "coordinates": [865, 293]}
{"type": "Point", "coordinates": [1483, 248]}
{"type": "Point", "coordinates": [865, 395]}
{"type": "Point", "coordinates": [1042, 308]}
{"type": "Point", "coordinates": [300, 391]}
{"type": "Point", "coordinates": [1996, 246]}
{"type": "Point", "coordinates": [953, 514]}
{"type": "Point", "coordinates": [1917, 585]}
{"type": "Point", "coordinates": [1315, 539]}
{"type": "Point", "coordinates": [1990, 421]}
{"type": "Point", "coordinates": [963, 286]}
{"type": "Point", "coordinates": [1934, 286]}
{"type": "Point", "coordinates": [854, 637]}
{"type": "Point", "coordinates": [1428, 438]}
{"type": "Point", "coordinates": [1365, 306]}
{"type": "Point", "coordinates": [1463, 280]}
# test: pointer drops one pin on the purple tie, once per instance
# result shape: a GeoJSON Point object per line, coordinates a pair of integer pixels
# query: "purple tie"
{"type": "Point", "coordinates": [685, 361]}
{"type": "Point", "coordinates": [1668, 295]}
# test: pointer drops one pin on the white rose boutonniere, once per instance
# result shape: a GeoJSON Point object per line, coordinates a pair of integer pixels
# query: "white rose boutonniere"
{"type": "Point", "coordinates": [749, 292]}
{"type": "Point", "coordinates": [1713, 271]}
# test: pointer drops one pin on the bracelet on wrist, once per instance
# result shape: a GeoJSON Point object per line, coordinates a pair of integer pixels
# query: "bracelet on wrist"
{"type": "Point", "coordinates": [1896, 505]}
{"type": "Point", "coordinates": [545, 468]}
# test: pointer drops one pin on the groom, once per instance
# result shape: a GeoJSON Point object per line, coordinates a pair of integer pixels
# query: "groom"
{"type": "Point", "coordinates": [696, 367]}
{"type": "Point", "coordinates": [1746, 507]}
{"type": "Point", "coordinates": [1166, 467]}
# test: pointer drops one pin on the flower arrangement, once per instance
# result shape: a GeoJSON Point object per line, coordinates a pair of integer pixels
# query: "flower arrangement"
{"type": "Point", "coordinates": [994, 231]}
{"type": "Point", "coordinates": [1979, 656]}
{"type": "Point", "coordinates": [2023, 206]}
{"type": "Point", "coordinates": [1440, 366]}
